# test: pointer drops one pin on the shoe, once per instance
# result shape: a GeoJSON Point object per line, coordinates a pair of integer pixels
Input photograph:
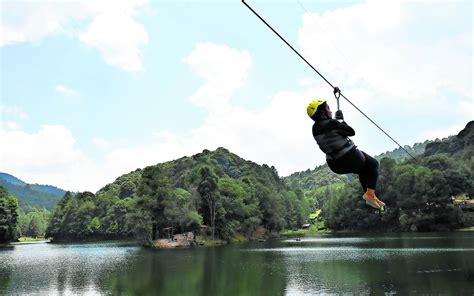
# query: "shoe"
{"type": "Point", "coordinates": [371, 201]}
{"type": "Point", "coordinates": [381, 203]}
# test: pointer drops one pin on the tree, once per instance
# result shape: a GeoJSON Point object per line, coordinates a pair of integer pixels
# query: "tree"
{"type": "Point", "coordinates": [127, 189]}
{"type": "Point", "coordinates": [140, 221]}
{"type": "Point", "coordinates": [239, 204]}
{"type": "Point", "coordinates": [272, 208]}
{"type": "Point", "coordinates": [207, 189]}
{"type": "Point", "coordinates": [153, 190]}
{"type": "Point", "coordinates": [56, 224]}
{"type": "Point", "coordinates": [8, 216]}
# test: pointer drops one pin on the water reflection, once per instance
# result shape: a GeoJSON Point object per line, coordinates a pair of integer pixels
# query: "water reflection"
{"type": "Point", "coordinates": [209, 271]}
{"type": "Point", "coordinates": [47, 268]}
{"type": "Point", "coordinates": [401, 264]}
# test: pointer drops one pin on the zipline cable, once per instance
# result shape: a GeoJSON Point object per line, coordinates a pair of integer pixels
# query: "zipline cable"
{"type": "Point", "coordinates": [327, 81]}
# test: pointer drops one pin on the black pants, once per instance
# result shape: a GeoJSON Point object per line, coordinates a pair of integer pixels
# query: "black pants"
{"type": "Point", "coordinates": [357, 162]}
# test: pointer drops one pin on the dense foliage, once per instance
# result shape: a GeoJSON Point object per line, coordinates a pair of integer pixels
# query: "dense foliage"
{"type": "Point", "coordinates": [40, 196]}
{"type": "Point", "coordinates": [419, 194]}
{"type": "Point", "coordinates": [217, 189]}
{"type": "Point", "coordinates": [321, 176]}
{"type": "Point", "coordinates": [86, 215]}
{"type": "Point", "coordinates": [32, 222]}
{"type": "Point", "coordinates": [8, 216]}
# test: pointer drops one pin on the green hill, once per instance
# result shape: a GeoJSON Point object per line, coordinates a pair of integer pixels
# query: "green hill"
{"type": "Point", "coordinates": [11, 179]}
{"type": "Point", "coordinates": [460, 144]}
{"type": "Point", "coordinates": [35, 195]}
{"type": "Point", "coordinates": [321, 176]}
{"type": "Point", "coordinates": [216, 188]}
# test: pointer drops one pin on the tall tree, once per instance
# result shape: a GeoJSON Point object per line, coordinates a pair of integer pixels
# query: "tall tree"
{"type": "Point", "coordinates": [8, 216]}
{"type": "Point", "coordinates": [153, 190]}
{"type": "Point", "coordinates": [208, 190]}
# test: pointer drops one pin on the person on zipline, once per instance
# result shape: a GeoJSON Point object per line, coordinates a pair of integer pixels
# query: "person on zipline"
{"type": "Point", "coordinates": [342, 155]}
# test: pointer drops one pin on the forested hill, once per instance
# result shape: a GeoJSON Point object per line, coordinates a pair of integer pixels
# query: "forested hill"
{"type": "Point", "coordinates": [182, 172]}
{"type": "Point", "coordinates": [40, 196]}
{"type": "Point", "coordinates": [462, 143]}
{"type": "Point", "coordinates": [213, 188]}
{"type": "Point", "coordinates": [321, 176]}
{"type": "Point", "coordinates": [400, 154]}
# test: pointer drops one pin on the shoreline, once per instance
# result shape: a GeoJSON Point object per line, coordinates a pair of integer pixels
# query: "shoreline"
{"type": "Point", "coordinates": [204, 242]}
{"type": "Point", "coordinates": [31, 242]}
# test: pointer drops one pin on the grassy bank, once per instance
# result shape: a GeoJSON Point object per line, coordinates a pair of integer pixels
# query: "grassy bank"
{"type": "Point", "coordinates": [467, 229]}
{"type": "Point", "coordinates": [312, 230]}
{"type": "Point", "coordinates": [31, 240]}
{"type": "Point", "coordinates": [26, 239]}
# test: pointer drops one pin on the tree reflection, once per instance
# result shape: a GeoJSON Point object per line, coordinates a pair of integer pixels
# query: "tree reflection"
{"type": "Point", "coordinates": [206, 271]}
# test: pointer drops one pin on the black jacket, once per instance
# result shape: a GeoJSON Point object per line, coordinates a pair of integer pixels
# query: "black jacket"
{"type": "Point", "coordinates": [332, 137]}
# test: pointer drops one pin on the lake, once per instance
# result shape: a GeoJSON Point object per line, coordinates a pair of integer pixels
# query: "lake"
{"type": "Point", "coordinates": [419, 263]}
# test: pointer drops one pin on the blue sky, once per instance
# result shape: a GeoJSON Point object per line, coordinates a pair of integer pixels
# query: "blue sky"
{"type": "Point", "coordinates": [93, 90]}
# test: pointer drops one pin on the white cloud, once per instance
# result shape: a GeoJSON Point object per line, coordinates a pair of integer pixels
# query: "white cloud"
{"type": "Point", "coordinates": [101, 143]}
{"type": "Point", "coordinates": [49, 156]}
{"type": "Point", "coordinates": [223, 68]}
{"type": "Point", "coordinates": [112, 27]}
{"type": "Point", "coordinates": [31, 21]}
{"type": "Point", "coordinates": [386, 47]}
{"type": "Point", "coordinates": [118, 37]}
{"type": "Point", "coordinates": [14, 111]}
{"type": "Point", "coordinates": [66, 91]}
{"type": "Point", "coordinates": [12, 125]}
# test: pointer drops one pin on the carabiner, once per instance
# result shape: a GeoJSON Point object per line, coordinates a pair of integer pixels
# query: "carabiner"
{"type": "Point", "coordinates": [337, 94]}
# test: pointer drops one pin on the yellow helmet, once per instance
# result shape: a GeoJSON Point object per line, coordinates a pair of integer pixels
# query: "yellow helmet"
{"type": "Point", "coordinates": [313, 106]}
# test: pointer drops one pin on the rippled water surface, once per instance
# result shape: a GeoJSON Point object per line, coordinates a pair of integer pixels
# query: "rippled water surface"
{"type": "Point", "coordinates": [325, 264]}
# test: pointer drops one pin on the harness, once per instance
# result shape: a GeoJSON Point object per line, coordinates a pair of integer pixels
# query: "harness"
{"type": "Point", "coordinates": [343, 151]}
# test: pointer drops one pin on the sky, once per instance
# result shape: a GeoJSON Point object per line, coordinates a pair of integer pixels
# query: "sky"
{"type": "Point", "coordinates": [91, 90]}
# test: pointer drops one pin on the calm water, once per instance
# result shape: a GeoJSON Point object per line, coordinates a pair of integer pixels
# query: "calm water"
{"type": "Point", "coordinates": [325, 264]}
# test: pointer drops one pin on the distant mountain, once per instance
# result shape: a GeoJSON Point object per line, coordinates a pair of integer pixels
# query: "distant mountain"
{"type": "Point", "coordinates": [40, 196]}
{"type": "Point", "coordinates": [48, 189]}
{"type": "Point", "coordinates": [11, 179]}
{"type": "Point", "coordinates": [450, 145]}
{"type": "Point", "coordinates": [399, 154]}
{"type": "Point", "coordinates": [463, 142]}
